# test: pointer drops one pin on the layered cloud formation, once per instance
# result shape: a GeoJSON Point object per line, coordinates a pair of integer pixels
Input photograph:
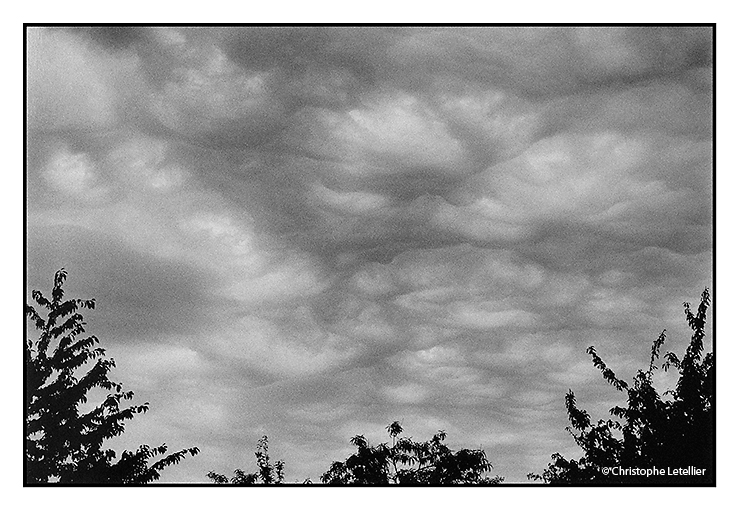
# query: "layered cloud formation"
{"type": "Point", "coordinates": [311, 232]}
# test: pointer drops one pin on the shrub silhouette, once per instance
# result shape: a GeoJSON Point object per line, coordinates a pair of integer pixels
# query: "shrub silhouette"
{"type": "Point", "coordinates": [62, 443]}
{"type": "Point", "coordinates": [408, 462]}
{"type": "Point", "coordinates": [668, 434]}
{"type": "Point", "coordinates": [268, 473]}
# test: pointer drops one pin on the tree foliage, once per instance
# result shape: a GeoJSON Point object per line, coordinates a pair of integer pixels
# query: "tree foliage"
{"type": "Point", "coordinates": [668, 433]}
{"type": "Point", "coordinates": [266, 474]}
{"type": "Point", "coordinates": [64, 443]}
{"type": "Point", "coordinates": [408, 462]}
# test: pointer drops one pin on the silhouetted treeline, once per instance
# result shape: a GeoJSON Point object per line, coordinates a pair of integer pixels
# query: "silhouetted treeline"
{"type": "Point", "coordinates": [402, 462]}
{"type": "Point", "coordinates": [654, 439]}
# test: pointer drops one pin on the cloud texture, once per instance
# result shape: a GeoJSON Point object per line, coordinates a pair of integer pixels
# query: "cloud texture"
{"type": "Point", "coordinates": [310, 232]}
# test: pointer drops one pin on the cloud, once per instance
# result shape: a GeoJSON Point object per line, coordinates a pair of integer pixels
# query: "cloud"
{"type": "Point", "coordinates": [140, 296]}
{"type": "Point", "coordinates": [75, 175]}
{"type": "Point", "coordinates": [73, 84]}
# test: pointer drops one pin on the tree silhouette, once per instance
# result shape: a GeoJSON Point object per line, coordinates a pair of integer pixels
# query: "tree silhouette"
{"type": "Point", "coordinates": [63, 443]}
{"type": "Point", "coordinates": [661, 435]}
{"type": "Point", "coordinates": [267, 474]}
{"type": "Point", "coordinates": [408, 462]}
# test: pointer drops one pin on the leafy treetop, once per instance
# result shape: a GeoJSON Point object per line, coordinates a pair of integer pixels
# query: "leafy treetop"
{"type": "Point", "coordinates": [63, 443]}
{"type": "Point", "coordinates": [408, 462]}
{"type": "Point", "coordinates": [671, 433]}
{"type": "Point", "coordinates": [267, 474]}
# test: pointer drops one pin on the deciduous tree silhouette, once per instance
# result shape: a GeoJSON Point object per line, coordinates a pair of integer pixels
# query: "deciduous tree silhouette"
{"type": "Point", "coordinates": [667, 434]}
{"type": "Point", "coordinates": [407, 462]}
{"type": "Point", "coordinates": [64, 444]}
{"type": "Point", "coordinates": [268, 473]}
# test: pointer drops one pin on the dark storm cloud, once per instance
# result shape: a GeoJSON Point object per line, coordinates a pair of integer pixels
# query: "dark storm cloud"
{"type": "Point", "coordinates": [310, 232]}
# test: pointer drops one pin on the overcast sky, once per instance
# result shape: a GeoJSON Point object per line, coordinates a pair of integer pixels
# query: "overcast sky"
{"type": "Point", "coordinates": [309, 233]}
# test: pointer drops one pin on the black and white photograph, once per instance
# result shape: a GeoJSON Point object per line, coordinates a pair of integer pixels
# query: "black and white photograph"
{"type": "Point", "coordinates": [370, 255]}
